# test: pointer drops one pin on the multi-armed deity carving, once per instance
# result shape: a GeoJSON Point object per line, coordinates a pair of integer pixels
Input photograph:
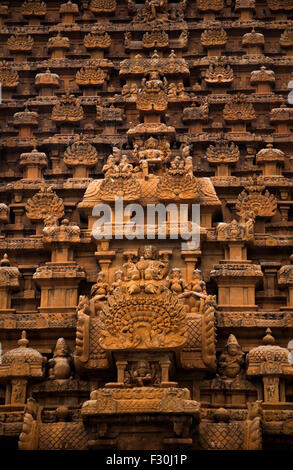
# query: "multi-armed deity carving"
{"type": "Point", "coordinates": [149, 314]}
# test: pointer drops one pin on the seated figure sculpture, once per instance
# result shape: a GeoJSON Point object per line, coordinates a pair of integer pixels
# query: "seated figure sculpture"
{"type": "Point", "coordinates": [231, 359]}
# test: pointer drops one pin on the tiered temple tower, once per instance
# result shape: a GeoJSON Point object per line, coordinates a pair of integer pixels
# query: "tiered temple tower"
{"type": "Point", "coordinates": [139, 342]}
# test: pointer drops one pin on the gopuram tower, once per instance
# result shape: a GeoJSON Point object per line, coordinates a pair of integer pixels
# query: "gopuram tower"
{"type": "Point", "coordinates": [118, 330]}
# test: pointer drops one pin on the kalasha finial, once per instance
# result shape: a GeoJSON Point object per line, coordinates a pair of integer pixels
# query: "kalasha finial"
{"type": "Point", "coordinates": [291, 259]}
{"type": "Point", "coordinates": [268, 339]}
{"type": "Point", "coordinates": [5, 261]}
{"type": "Point", "coordinates": [23, 341]}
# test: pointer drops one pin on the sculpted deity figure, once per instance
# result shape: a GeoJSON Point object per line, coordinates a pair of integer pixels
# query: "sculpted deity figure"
{"type": "Point", "coordinates": [118, 279]}
{"type": "Point", "coordinates": [194, 292]}
{"type": "Point", "coordinates": [147, 273]}
{"type": "Point", "coordinates": [176, 283]}
{"type": "Point", "coordinates": [198, 287]}
{"type": "Point", "coordinates": [231, 359]}
{"type": "Point", "coordinates": [172, 89]}
{"type": "Point", "coordinates": [61, 362]}
{"type": "Point", "coordinates": [99, 292]}
{"type": "Point", "coordinates": [110, 169]}
{"type": "Point", "coordinates": [140, 375]}
{"type": "Point", "coordinates": [181, 91]}
{"type": "Point", "coordinates": [125, 168]}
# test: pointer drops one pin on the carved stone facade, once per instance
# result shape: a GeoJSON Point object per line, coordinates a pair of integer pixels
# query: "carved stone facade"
{"type": "Point", "coordinates": [125, 342]}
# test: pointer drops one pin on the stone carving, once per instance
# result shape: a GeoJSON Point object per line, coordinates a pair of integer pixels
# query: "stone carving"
{"type": "Point", "coordinates": [231, 359]}
{"type": "Point", "coordinates": [219, 73]}
{"type": "Point", "coordinates": [242, 230]}
{"type": "Point", "coordinates": [19, 366]}
{"type": "Point", "coordinates": [81, 153]}
{"type": "Point", "coordinates": [253, 426]}
{"type": "Point", "coordinates": [140, 400]}
{"type": "Point", "coordinates": [99, 292]}
{"type": "Point", "coordinates": [197, 288]}
{"type": "Point", "coordinates": [143, 312]}
{"type": "Point", "coordinates": [155, 38]}
{"type": "Point", "coordinates": [68, 109]}
{"type": "Point", "coordinates": [239, 110]}
{"type": "Point", "coordinates": [43, 204]}
{"type": "Point", "coordinates": [153, 93]}
{"type": "Point", "coordinates": [214, 5]}
{"type": "Point", "coordinates": [196, 113]}
{"type": "Point", "coordinates": [280, 5]}
{"type": "Point", "coordinates": [58, 45]}
{"type": "Point", "coordinates": [20, 43]}
{"type": "Point", "coordinates": [4, 213]}
{"type": "Point", "coordinates": [213, 37]}
{"type": "Point", "coordinates": [129, 91]}
{"type": "Point", "coordinates": [8, 77]}
{"type": "Point", "coordinates": [90, 75]}
{"type": "Point", "coordinates": [223, 153]}
{"type": "Point", "coordinates": [157, 11]}
{"type": "Point", "coordinates": [179, 182]}
{"type": "Point", "coordinates": [31, 8]}
{"type": "Point", "coordinates": [119, 181]}
{"type": "Point", "coordinates": [55, 233]}
{"type": "Point", "coordinates": [285, 277]}
{"type": "Point", "coordinates": [97, 40]}
{"type": "Point", "coordinates": [142, 374]}
{"type": "Point", "coordinates": [271, 362]}
{"type": "Point", "coordinates": [160, 83]}
{"type": "Point", "coordinates": [82, 329]}
{"type": "Point", "coordinates": [61, 362]}
{"type": "Point", "coordinates": [152, 150]}
{"type": "Point", "coordinates": [252, 199]}
{"type": "Point", "coordinates": [140, 65]}
{"type": "Point", "coordinates": [286, 39]}
{"type": "Point", "coordinates": [110, 114]}
{"type": "Point", "coordinates": [103, 6]}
